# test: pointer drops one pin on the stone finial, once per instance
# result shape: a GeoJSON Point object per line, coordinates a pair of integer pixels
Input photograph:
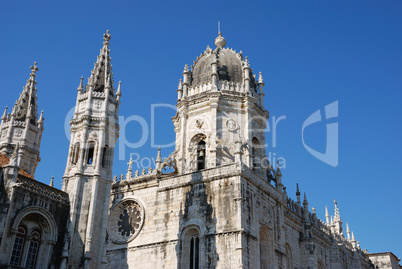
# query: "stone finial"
{"type": "Point", "coordinates": [107, 38]}
{"type": "Point", "coordinates": [34, 69]}
{"type": "Point", "coordinates": [51, 182]}
{"type": "Point", "coordinates": [158, 162]}
{"type": "Point", "coordinates": [326, 214]}
{"type": "Point", "coordinates": [129, 170]}
{"type": "Point", "coordinates": [81, 86]}
{"type": "Point", "coordinates": [180, 84]}
{"type": "Point", "coordinates": [246, 62]}
{"type": "Point", "coordinates": [186, 70]}
{"type": "Point", "coordinates": [41, 118]}
{"type": "Point", "coordinates": [15, 156]}
{"type": "Point", "coordinates": [260, 80]}
{"type": "Point", "coordinates": [220, 41]}
{"type": "Point", "coordinates": [118, 93]}
{"type": "Point", "coordinates": [337, 216]}
{"type": "Point", "coordinates": [347, 231]}
{"type": "Point", "coordinates": [114, 179]}
{"type": "Point", "coordinates": [4, 114]}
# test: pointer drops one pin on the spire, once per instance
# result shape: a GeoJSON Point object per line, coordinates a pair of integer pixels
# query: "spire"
{"type": "Point", "coordinates": [305, 205]}
{"type": "Point", "coordinates": [326, 214]}
{"type": "Point", "coordinates": [27, 102]}
{"type": "Point", "coordinates": [347, 231]}
{"type": "Point", "coordinates": [102, 68]}
{"type": "Point", "coordinates": [337, 217]}
{"type": "Point", "coordinates": [51, 182]}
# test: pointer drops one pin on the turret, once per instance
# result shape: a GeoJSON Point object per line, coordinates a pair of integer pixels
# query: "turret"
{"type": "Point", "coordinates": [220, 115]}
{"type": "Point", "coordinates": [94, 131]}
{"type": "Point", "coordinates": [23, 127]}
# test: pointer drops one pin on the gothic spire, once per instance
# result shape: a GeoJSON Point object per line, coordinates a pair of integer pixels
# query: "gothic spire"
{"type": "Point", "coordinates": [27, 102]}
{"type": "Point", "coordinates": [102, 68]}
{"type": "Point", "coordinates": [337, 217]}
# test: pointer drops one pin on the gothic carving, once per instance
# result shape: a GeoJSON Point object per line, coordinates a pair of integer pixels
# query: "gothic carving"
{"type": "Point", "coordinates": [231, 125]}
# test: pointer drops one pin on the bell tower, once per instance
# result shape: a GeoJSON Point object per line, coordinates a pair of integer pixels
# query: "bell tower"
{"type": "Point", "coordinates": [220, 112]}
{"type": "Point", "coordinates": [88, 175]}
{"type": "Point", "coordinates": [23, 127]}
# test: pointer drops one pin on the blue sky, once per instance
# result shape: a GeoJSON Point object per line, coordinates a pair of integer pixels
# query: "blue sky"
{"type": "Point", "coordinates": [311, 53]}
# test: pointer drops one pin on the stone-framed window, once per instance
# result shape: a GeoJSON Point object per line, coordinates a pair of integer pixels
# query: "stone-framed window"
{"type": "Point", "coordinates": [191, 249]}
{"type": "Point", "coordinates": [76, 153]}
{"type": "Point", "coordinates": [91, 152]}
{"type": "Point", "coordinates": [201, 155]}
{"type": "Point", "coordinates": [289, 258]}
{"type": "Point", "coordinates": [33, 249]}
{"type": "Point", "coordinates": [18, 247]}
{"type": "Point", "coordinates": [266, 260]}
{"type": "Point", "coordinates": [194, 252]}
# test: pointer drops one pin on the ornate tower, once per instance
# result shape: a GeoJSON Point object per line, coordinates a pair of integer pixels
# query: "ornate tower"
{"type": "Point", "coordinates": [221, 116]}
{"type": "Point", "coordinates": [23, 127]}
{"type": "Point", "coordinates": [88, 175]}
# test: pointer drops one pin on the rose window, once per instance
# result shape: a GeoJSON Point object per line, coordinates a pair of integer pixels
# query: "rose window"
{"type": "Point", "coordinates": [125, 221]}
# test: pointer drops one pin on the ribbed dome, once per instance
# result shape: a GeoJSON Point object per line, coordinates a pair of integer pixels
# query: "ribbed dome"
{"type": "Point", "coordinates": [229, 66]}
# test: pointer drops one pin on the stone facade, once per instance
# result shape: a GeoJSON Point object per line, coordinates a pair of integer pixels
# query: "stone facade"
{"type": "Point", "coordinates": [215, 202]}
{"type": "Point", "coordinates": [386, 260]}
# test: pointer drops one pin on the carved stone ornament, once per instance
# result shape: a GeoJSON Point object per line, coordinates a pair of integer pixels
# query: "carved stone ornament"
{"type": "Point", "coordinates": [125, 221]}
{"type": "Point", "coordinates": [231, 125]}
{"type": "Point", "coordinates": [199, 123]}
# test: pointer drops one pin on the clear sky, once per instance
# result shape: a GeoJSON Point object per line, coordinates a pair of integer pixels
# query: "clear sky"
{"type": "Point", "coordinates": [311, 53]}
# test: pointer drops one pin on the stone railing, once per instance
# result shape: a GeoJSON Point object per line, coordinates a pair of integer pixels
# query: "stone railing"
{"type": "Point", "coordinates": [83, 96]}
{"type": "Point", "coordinates": [293, 206]}
{"type": "Point", "coordinates": [136, 176]}
{"type": "Point", "coordinates": [98, 94]}
{"type": "Point", "coordinates": [43, 189]}
{"type": "Point", "coordinates": [230, 86]}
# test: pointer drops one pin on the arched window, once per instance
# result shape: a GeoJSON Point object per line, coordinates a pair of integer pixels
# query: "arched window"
{"type": "Point", "coordinates": [201, 155]}
{"type": "Point", "coordinates": [289, 258]}
{"type": "Point", "coordinates": [18, 247]}
{"type": "Point", "coordinates": [91, 150]}
{"type": "Point", "coordinates": [194, 252]}
{"type": "Point", "coordinates": [33, 250]}
{"type": "Point", "coordinates": [76, 152]}
{"type": "Point", "coordinates": [105, 158]}
{"type": "Point", "coordinates": [191, 249]}
{"type": "Point", "coordinates": [264, 248]}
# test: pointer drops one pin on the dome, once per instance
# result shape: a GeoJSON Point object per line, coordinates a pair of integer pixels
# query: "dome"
{"type": "Point", "coordinates": [229, 66]}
